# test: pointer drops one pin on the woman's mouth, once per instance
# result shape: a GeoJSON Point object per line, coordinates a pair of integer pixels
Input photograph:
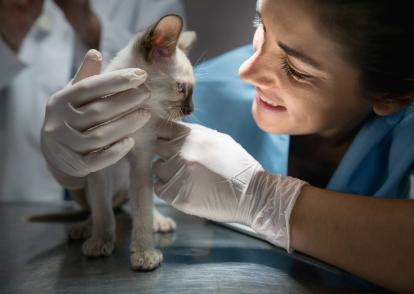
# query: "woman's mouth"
{"type": "Point", "coordinates": [268, 104]}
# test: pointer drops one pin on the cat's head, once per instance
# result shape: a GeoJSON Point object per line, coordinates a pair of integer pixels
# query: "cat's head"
{"type": "Point", "coordinates": [162, 52]}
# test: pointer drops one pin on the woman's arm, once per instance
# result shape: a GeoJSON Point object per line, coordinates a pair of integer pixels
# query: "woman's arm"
{"type": "Point", "coordinates": [206, 173]}
{"type": "Point", "coordinates": [370, 237]}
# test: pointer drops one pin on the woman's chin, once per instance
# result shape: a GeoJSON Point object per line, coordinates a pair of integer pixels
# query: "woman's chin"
{"type": "Point", "coordinates": [269, 125]}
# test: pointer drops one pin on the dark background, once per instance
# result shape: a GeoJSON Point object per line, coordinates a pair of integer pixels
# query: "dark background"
{"type": "Point", "coordinates": [221, 25]}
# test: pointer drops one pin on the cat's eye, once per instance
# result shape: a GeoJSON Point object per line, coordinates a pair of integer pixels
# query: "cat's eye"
{"type": "Point", "coordinates": [181, 88]}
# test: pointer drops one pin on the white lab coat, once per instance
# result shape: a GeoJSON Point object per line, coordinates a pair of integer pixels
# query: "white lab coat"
{"type": "Point", "coordinates": [46, 62]}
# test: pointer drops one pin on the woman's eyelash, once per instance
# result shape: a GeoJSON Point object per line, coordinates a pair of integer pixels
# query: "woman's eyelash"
{"type": "Point", "coordinates": [290, 71]}
{"type": "Point", "coordinates": [257, 21]}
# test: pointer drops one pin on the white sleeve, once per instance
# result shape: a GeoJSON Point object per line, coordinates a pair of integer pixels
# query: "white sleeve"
{"type": "Point", "coordinates": [10, 65]}
{"type": "Point", "coordinates": [411, 195]}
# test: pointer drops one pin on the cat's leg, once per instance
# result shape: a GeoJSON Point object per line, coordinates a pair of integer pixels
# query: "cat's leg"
{"type": "Point", "coordinates": [144, 257]}
{"type": "Point", "coordinates": [99, 192]}
{"type": "Point", "coordinates": [81, 231]}
{"type": "Point", "coordinates": [162, 224]}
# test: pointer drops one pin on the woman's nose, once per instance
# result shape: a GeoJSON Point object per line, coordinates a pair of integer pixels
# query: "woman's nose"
{"type": "Point", "coordinates": [258, 70]}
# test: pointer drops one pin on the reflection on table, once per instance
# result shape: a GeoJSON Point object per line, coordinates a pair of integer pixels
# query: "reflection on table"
{"type": "Point", "coordinates": [200, 257]}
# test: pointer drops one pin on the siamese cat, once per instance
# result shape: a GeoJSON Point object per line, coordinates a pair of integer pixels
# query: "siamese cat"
{"type": "Point", "coordinates": [161, 52]}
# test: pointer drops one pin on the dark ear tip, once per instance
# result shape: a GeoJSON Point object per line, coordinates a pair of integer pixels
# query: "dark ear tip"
{"type": "Point", "coordinates": [172, 17]}
{"type": "Point", "coordinates": [162, 36]}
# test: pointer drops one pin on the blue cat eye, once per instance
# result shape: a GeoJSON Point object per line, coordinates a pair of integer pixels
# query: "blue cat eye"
{"type": "Point", "coordinates": [181, 88]}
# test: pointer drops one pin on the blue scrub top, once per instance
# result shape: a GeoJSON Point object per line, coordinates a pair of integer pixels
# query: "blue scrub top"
{"type": "Point", "coordinates": [378, 162]}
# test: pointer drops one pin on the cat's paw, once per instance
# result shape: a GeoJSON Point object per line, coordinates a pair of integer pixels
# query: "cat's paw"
{"type": "Point", "coordinates": [95, 247]}
{"type": "Point", "coordinates": [146, 260]}
{"type": "Point", "coordinates": [81, 231]}
{"type": "Point", "coordinates": [163, 224]}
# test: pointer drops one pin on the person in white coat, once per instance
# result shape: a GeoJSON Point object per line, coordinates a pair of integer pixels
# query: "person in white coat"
{"type": "Point", "coordinates": [41, 45]}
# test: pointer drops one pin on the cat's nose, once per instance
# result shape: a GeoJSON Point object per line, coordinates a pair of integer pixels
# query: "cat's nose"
{"type": "Point", "coordinates": [187, 110]}
{"type": "Point", "coordinates": [188, 107]}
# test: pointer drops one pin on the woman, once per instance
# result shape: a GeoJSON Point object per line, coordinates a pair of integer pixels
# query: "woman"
{"type": "Point", "coordinates": [329, 73]}
{"type": "Point", "coordinates": [325, 72]}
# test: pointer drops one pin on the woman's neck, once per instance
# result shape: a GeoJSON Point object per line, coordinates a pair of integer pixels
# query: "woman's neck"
{"type": "Point", "coordinates": [340, 136]}
{"type": "Point", "coordinates": [314, 158]}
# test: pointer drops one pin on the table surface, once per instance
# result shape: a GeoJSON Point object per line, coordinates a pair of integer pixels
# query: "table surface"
{"type": "Point", "coordinates": [200, 257]}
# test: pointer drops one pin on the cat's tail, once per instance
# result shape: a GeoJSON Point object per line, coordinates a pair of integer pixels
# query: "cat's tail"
{"type": "Point", "coordinates": [60, 217]}
{"type": "Point", "coordinates": [78, 215]}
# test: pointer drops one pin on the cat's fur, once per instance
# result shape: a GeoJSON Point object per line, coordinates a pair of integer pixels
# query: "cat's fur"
{"type": "Point", "coordinates": [161, 52]}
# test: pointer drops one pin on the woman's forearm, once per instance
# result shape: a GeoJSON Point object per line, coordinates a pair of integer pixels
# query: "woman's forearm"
{"type": "Point", "coordinates": [370, 237]}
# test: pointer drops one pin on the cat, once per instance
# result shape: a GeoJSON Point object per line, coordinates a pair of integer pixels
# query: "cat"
{"type": "Point", "coordinates": [162, 52]}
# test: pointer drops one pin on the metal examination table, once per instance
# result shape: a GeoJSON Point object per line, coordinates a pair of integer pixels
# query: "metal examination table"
{"type": "Point", "coordinates": [201, 257]}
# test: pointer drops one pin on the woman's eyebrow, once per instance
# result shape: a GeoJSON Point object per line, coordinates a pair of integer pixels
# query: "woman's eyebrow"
{"type": "Point", "coordinates": [299, 55]}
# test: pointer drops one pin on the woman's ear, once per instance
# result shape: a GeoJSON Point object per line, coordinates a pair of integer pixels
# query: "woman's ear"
{"type": "Point", "coordinates": [387, 107]}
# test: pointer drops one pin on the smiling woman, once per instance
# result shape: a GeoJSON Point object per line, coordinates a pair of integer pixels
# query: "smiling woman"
{"type": "Point", "coordinates": [326, 73]}
{"type": "Point", "coordinates": [297, 67]}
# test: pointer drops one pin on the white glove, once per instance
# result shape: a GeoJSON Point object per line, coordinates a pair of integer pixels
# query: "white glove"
{"type": "Point", "coordinates": [88, 124]}
{"type": "Point", "coordinates": [207, 173]}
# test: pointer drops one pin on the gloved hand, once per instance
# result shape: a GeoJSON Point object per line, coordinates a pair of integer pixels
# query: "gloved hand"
{"type": "Point", "coordinates": [206, 173]}
{"type": "Point", "coordinates": [88, 124]}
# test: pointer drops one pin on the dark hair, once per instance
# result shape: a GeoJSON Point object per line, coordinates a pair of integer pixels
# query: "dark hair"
{"type": "Point", "coordinates": [378, 37]}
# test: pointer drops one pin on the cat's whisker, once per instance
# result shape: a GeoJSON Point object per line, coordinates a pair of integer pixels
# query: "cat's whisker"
{"type": "Point", "coordinates": [200, 69]}
{"type": "Point", "coordinates": [202, 75]}
{"type": "Point", "coordinates": [201, 58]}
{"type": "Point", "coordinates": [170, 116]}
{"type": "Point", "coordinates": [201, 72]}
{"type": "Point", "coordinates": [163, 123]}
{"type": "Point", "coordinates": [180, 113]}
{"type": "Point", "coordinates": [200, 78]}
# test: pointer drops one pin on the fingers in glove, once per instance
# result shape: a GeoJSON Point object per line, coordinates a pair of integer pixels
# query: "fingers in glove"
{"type": "Point", "coordinates": [103, 135]}
{"type": "Point", "coordinates": [165, 170]}
{"type": "Point", "coordinates": [94, 87]}
{"type": "Point", "coordinates": [91, 65]}
{"type": "Point", "coordinates": [170, 190]}
{"type": "Point", "coordinates": [106, 109]}
{"type": "Point", "coordinates": [98, 160]}
{"type": "Point", "coordinates": [169, 149]}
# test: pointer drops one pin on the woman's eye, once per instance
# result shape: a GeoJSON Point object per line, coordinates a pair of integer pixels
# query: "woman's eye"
{"type": "Point", "coordinates": [290, 71]}
{"type": "Point", "coordinates": [181, 88]}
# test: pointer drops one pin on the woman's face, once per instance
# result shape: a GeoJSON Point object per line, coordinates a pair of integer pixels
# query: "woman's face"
{"type": "Point", "coordinates": [303, 85]}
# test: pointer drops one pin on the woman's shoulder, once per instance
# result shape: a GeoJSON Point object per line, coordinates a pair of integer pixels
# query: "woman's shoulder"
{"type": "Point", "coordinates": [380, 159]}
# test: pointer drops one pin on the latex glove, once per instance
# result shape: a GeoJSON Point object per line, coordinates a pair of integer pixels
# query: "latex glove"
{"type": "Point", "coordinates": [207, 173]}
{"type": "Point", "coordinates": [88, 125]}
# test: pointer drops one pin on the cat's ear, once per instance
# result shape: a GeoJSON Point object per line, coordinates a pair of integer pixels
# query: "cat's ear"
{"type": "Point", "coordinates": [186, 41]}
{"type": "Point", "coordinates": [161, 38]}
